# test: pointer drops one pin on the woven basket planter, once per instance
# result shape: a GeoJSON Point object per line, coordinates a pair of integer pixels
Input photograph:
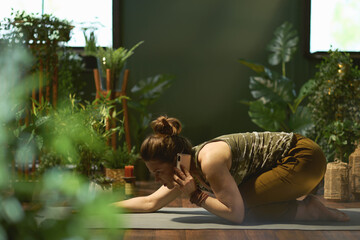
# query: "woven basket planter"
{"type": "Point", "coordinates": [354, 163]}
{"type": "Point", "coordinates": [115, 174]}
{"type": "Point", "coordinates": [336, 182]}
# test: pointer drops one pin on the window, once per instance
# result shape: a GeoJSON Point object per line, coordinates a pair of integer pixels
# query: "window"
{"type": "Point", "coordinates": [82, 14]}
{"type": "Point", "coordinates": [334, 24]}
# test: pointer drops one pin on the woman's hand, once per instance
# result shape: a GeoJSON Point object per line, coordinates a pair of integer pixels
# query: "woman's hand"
{"type": "Point", "coordinates": [184, 181]}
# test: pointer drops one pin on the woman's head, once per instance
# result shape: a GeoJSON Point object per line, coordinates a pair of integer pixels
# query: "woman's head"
{"type": "Point", "coordinates": [159, 150]}
{"type": "Point", "coordinates": [165, 142]}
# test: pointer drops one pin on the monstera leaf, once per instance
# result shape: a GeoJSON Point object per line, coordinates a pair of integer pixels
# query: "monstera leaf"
{"type": "Point", "coordinates": [300, 122]}
{"type": "Point", "coordinates": [283, 45]}
{"type": "Point", "coordinates": [148, 90]}
{"type": "Point", "coordinates": [276, 106]}
{"type": "Point", "coordinates": [270, 116]}
{"type": "Point", "coordinates": [280, 89]}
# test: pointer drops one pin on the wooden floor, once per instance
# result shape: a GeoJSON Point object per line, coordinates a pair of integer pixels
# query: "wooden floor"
{"type": "Point", "coordinates": [145, 188]}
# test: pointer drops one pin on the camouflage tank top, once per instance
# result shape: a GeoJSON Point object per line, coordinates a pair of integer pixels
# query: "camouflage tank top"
{"type": "Point", "coordinates": [251, 152]}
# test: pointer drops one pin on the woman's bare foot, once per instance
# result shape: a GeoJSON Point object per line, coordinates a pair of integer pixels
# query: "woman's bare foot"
{"type": "Point", "coordinates": [312, 209]}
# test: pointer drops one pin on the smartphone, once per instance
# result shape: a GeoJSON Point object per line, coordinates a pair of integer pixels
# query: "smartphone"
{"type": "Point", "coordinates": [184, 160]}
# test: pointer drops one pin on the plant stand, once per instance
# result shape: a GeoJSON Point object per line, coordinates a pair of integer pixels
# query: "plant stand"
{"type": "Point", "coordinates": [110, 88]}
{"type": "Point", "coordinates": [129, 186]}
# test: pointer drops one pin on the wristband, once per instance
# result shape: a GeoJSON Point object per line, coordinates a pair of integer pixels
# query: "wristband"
{"type": "Point", "coordinates": [198, 197]}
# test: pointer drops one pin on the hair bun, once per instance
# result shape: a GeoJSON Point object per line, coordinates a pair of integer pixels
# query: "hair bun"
{"type": "Point", "coordinates": [166, 126]}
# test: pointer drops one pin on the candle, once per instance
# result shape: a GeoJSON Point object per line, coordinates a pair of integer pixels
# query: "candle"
{"type": "Point", "coordinates": [129, 171]}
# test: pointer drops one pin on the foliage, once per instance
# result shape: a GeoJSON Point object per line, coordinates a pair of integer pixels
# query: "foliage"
{"type": "Point", "coordinates": [55, 187]}
{"type": "Point", "coordinates": [143, 94]}
{"type": "Point", "coordinates": [114, 59]}
{"type": "Point", "coordinates": [35, 28]}
{"type": "Point", "coordinates": [335, 105]}
{"type": "Point", "coordinates": [70, 69]}
{"type": "Point", "coordinates": [277, 106]}
{"type": "Point", "coordinates": [120, 158]}
{"type": "Point", "coordinates": [90, 43]}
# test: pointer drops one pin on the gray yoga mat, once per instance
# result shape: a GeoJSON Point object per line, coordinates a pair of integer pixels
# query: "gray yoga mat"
{"type": "Point", "coordinates": [198, 218]}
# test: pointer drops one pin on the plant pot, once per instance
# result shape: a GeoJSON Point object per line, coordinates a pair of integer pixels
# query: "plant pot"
{"type": "Point", "coordinates": [354, 164]}
{"type": "Point", "coordinates": [24, 191]}
{"type": "Point", "coordinates": [115, 174]}
{"type": "Point", "coordinates": [336, 182]}
{"type": "Point", "coordinates": [90, 62]}
{"type": "Point", "coordinates": [97, 187]}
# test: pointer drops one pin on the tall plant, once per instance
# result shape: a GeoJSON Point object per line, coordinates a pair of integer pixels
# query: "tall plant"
{"type": "Point", "coordinates": [276, 105]}
{"type": "Point", "coordinates": [335, 105]}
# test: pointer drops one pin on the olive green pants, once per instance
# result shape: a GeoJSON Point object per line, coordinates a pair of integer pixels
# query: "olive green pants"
{"type": "Point", "coordinates": [271, 195]}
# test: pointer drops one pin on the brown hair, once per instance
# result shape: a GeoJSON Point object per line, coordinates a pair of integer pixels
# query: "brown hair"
{"type": "Point", "coordinates": [165, 142]}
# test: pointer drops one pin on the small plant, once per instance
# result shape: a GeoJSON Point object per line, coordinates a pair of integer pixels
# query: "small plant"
{"type": "Point", "coordinates": [114, 59]}
{"type": "Point", "coordinates": [277, 106]}
{"type": "Point", "coordinates": [90, 43]}
{"type": "Point", "coordinates": [120, 158]}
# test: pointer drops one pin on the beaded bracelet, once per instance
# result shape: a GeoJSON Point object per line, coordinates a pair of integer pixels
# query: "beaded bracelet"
{"type": "Point", "coordinates": [198, 197]}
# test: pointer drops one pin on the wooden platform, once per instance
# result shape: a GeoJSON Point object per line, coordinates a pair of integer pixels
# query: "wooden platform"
{"type": "Point", "coordinates": [145, 188]}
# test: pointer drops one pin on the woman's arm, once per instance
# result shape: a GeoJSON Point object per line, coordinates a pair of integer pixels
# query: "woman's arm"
{"type": "Point", "coordinates": [151, 203]}
{"type": "Point", "coordinates": [228, 203]}
{"type": "Point", "coordinates": [215, 161]}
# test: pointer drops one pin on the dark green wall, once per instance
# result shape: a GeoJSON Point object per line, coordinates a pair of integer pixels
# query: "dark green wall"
{"type": "Point", "coordinates": [199, 41]}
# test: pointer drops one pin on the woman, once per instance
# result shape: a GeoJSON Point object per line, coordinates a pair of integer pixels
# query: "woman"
{"type": "Point", "coordinates": [252, 176]}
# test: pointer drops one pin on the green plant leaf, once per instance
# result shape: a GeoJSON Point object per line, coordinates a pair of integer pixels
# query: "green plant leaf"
{"type": "Point", "coordinates": [147, 91]}
{"type": "Point", "coordinates": [269, 116]}
{"type": "Point", "coordinates": [254, 66]}
{"type": "Point", "coordinates": [283, 46]}
{"type": "Point", "coordinates": [300, 122]}
{"type": "Point", "coordinates": [305, 91]}
{"type": "Point", "coordinates": [279, 90]}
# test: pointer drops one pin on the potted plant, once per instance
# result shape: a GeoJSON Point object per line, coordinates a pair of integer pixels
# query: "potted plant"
{"type": "Point", "coordinates": [113, 59]}
{"type": "Point", "coordinates": [277, 106]}
{"type": "Point", "coordinates": [90, 49]}
{"type": "Point", "coordinates": [116, 160]}
{"type": "Point", "coordinates": [335, 104]}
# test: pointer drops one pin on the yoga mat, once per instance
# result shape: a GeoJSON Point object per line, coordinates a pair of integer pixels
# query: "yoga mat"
{"type": "Point", "coordinates": [199, 218]}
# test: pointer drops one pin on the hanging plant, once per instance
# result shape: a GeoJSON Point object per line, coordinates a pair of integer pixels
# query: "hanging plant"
{"type": "Point", "coordinates": [36, 29]}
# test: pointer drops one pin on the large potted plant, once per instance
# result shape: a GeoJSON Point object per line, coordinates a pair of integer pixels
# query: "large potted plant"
{"type": "Point", "coordinates": [276, 105]}
{"type": "Point", "coordinates": [335, 106]}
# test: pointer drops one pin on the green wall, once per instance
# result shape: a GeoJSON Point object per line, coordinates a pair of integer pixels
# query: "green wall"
{"type": "Point", "coordinates": [199, 41]}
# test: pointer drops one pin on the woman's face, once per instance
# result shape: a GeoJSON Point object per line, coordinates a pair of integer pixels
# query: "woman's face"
{"type": "Point", "coordinates": [164, 172]}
